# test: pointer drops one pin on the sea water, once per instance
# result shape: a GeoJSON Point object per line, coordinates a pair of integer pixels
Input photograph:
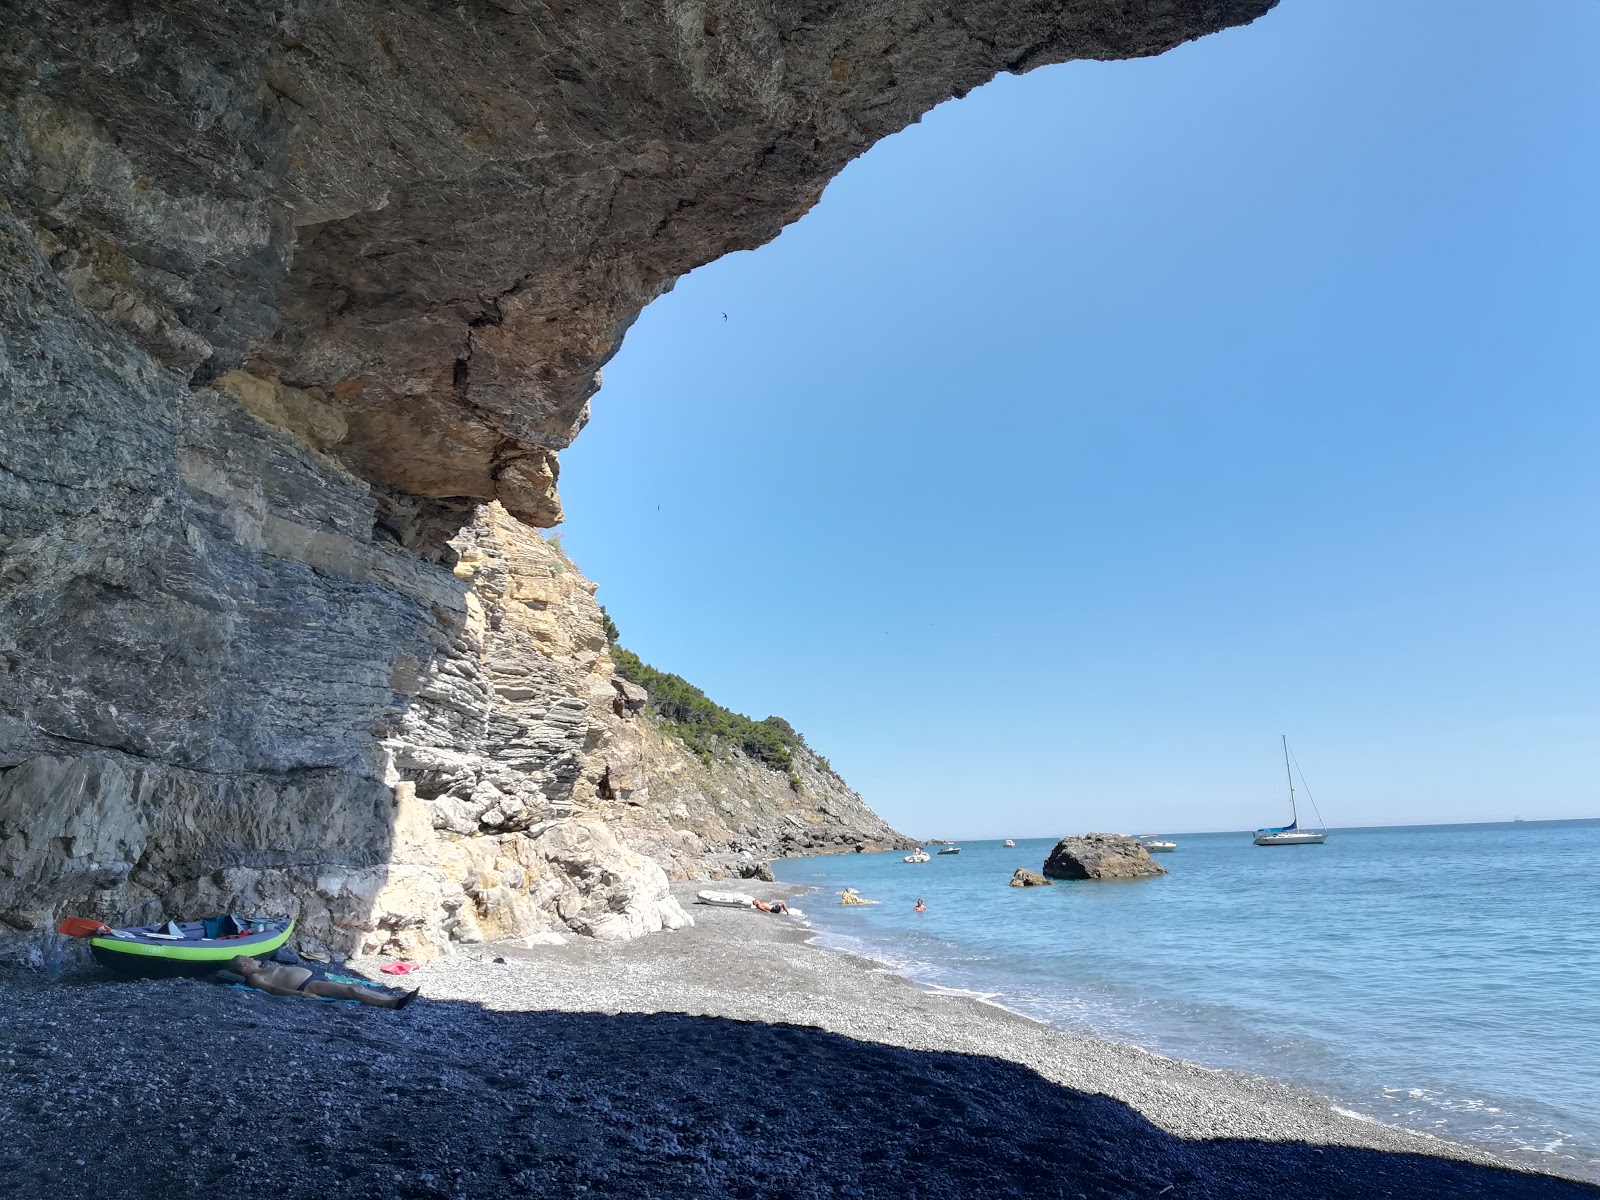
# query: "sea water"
{"type": "Point", "coordinates": [1444, 977]}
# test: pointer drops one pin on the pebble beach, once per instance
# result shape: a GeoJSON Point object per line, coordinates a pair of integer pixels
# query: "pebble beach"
{"type": "Point", "coordinates": [732, 1059]}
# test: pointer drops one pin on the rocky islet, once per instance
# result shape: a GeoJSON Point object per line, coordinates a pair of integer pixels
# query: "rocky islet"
{"type": "Point", "coordinates": [1101, 856]}
{"type": "Point", "coordinates": [1024, 878]}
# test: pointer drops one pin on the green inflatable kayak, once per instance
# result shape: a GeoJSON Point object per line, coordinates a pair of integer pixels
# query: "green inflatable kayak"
{"type": "Point", "coordinates": [188, 947]}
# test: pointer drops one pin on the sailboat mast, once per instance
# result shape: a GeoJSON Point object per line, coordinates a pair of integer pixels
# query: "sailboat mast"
{"type": "Point", "coordinates": [1290, 774]}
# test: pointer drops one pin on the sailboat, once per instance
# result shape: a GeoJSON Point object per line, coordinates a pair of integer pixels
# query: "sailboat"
{"type": "Point", "coordinates": [1291, 834]}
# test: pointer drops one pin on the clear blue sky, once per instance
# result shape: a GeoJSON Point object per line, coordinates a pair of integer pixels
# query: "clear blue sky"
{"type": "Point", "coordinates": [1120, 417]}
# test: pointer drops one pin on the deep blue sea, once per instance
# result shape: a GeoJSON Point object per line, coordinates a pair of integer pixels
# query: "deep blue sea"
{"type": "Point", "coordinates": [1442, 977]}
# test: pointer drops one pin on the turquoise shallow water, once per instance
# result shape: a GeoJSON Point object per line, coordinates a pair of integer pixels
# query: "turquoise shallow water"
{"type": "Point", "coordinates": [1444, 977]}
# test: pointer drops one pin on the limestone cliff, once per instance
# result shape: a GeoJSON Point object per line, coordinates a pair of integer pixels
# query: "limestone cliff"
{"type": "Point", "coordinates": [526, 792]}
{"type": "Point", "coordinates": [290, 295]}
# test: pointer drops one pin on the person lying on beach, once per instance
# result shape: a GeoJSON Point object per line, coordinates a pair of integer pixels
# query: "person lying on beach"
{"type": "Point", "coordinates": [297, 981]}
{"type": "Point", "coordinates": [777, 906]}
{"type": "Point", "coordinates": [921, 907]}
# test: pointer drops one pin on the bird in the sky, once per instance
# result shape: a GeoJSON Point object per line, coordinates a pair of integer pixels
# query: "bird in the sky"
{"type": "Point", "coordinates": [724, 316]}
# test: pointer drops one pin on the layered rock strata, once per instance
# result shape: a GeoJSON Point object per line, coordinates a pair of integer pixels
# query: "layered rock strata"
{"type": "Point", "coordinates": [291, 297]}
{"type": "Point", "coordinates": [519, 791]}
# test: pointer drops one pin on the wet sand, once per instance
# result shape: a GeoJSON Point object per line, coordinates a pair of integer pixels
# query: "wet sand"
{"type": "Point", "coordinates": [728, 1060]}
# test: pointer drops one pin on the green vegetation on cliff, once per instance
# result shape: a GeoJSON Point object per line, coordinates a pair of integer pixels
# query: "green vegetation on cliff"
{"type": "Point", "coordinates": [704, 726]}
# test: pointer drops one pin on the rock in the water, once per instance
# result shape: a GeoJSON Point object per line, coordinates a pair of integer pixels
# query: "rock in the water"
{"type": "Point", "coordinates": [1101, 856]}
{"type": "Point", "coordinates": [1027, 878]}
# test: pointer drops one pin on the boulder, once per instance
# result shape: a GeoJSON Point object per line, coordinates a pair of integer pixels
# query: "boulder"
{"type": "Point", "coordinates": [759, 870]}
{"type": "Point", "coordinates": [1027, 878]}
{"type": "Point", "coordinates": [1101, 856]}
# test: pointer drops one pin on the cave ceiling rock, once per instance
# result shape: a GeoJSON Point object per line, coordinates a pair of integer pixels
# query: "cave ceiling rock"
{"type": "Point", "coordinates": [440, 218]}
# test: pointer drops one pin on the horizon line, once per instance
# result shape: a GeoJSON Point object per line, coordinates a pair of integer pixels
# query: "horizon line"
{"type": "Point", "coordinates": [1042, 837]}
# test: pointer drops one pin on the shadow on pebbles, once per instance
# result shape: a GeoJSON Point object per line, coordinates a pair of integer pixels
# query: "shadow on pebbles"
{"type": "Point", "coordinates": [179, 1088]}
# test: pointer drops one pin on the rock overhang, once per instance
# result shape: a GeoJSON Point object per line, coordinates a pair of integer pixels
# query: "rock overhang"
{"type": "Point", "coordinates": [438, 220]}
{"type": "Point", "coordinates": [289, 295]}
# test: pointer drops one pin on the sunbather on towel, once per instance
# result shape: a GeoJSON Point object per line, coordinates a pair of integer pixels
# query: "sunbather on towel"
{"type": "Point", "coordinates": [297, 981]}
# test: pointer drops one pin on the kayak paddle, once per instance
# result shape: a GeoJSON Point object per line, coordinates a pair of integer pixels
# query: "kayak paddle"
{"type": "Point", "coordinates": [82, 927]}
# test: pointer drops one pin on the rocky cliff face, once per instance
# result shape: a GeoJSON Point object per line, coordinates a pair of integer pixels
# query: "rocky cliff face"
{"type": "Point", "coordinates": [512, 787]}
{"type": "Point", "coordinates": [297, 304]}
{"type": "Point", "coordinates": [726, 816]}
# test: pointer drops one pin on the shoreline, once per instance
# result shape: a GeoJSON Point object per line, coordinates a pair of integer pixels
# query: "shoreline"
{"type": "Point", "coordinates": [1297, 1093]}
{"type": "Point", "coordinates": [1429, 1034]}
{"type": "Point", "coordinates": [879, 1005]}
{"type": "Point", "coordinates": [730, 1059]}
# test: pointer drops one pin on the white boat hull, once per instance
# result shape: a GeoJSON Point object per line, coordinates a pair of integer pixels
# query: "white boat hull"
{"type": "Point", "coordinates": [1297, 838]}
{"type": "Point", "coordinates": [725, 899]}
{"type": "Point", "coordinates": [1160, 847]}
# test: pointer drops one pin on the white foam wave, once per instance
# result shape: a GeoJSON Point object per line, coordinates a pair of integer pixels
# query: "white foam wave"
{"type": "Point", "coordinates": [1355, 1116]}
{"type": "Point", "coordinates": [939, 989]}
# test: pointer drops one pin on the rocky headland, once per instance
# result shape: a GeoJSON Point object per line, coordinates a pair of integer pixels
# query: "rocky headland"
{"type": "Point", "coordinates": [299, 302]}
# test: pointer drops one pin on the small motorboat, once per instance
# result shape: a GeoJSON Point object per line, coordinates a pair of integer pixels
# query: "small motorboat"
{"type": "Point", "coordinates": [1009, 843]}
{"type": "Point", "coordinates": [920, 856]}
{"type": "Point", "coordinates": [951, 850]}
{"type": "Point", "coordinates": [180, 947]}
{"type": "Point", "coordinates": [1157, 845]}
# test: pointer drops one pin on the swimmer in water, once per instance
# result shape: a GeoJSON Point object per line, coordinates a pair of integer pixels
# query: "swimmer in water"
{"type": "Point", "coordinates": [921, 907]}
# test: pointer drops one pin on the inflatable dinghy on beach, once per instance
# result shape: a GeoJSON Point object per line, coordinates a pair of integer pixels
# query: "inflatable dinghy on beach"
{"type": "Point", "coordinates": [180, 947]}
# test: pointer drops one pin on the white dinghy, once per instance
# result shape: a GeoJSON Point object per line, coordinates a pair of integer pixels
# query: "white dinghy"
{"type": "Point", "coordinates": [726, 899]}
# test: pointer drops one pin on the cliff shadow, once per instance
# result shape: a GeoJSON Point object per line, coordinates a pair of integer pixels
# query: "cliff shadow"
{"type": "Point", "coordinates": [224, 1087]}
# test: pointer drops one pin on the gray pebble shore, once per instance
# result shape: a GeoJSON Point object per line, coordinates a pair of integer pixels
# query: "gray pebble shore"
{"type": "Point", "coordinates": [728, 1060]}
